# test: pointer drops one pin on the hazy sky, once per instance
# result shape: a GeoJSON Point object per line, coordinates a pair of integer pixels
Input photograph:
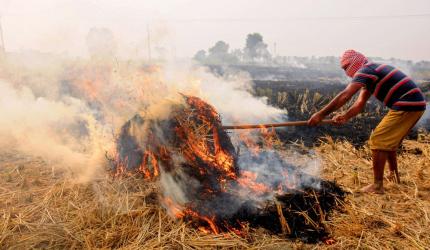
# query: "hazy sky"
{"type": "Point", "coordinates": [393, 28]}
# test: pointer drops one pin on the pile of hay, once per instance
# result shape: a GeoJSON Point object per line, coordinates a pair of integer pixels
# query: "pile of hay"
{"type": "Point", "coordinates": [42, 208]}
{"type": "Point", "coordinates": [222, 189]}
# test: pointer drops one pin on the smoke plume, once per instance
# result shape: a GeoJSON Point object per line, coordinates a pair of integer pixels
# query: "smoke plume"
{"type": "Point", "coordinates": [68, 111]}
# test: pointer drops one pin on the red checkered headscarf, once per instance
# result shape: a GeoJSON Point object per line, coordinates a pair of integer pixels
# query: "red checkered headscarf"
{"type": "Point", "coordinates": [352, 61]}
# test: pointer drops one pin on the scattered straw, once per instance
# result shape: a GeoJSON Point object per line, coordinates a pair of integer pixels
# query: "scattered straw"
{"type": "Point", "coordinates": [42, 208]}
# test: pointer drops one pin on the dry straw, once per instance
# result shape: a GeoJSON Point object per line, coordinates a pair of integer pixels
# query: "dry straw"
{"type": "Point", "coordinates": [42, 208]}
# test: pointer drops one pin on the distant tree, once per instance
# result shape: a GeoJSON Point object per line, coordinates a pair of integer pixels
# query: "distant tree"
{"type": "Point", "coordinates": [220, 48]}
{"type": "Point", "coordinates": [256, 49]}
{"type": "Point", "coordinates": [200, 56]}
{"type": "Point", "coordinates": [253, 42]}
{"type": "Point", "coordinates": [237, 53]}
{"type": "Point", "coordinates": [218, 54]}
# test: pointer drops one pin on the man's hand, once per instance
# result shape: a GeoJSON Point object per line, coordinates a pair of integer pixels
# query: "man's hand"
{"type": "Point", "coordinates": [340, 100]}
{"type": "Point", "coordinates": [315, 119]}
{"type": "Point", "coordinates": [340, 120]}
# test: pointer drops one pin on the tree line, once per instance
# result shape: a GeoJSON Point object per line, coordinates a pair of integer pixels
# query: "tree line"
{"type": "Point", "coordinates": [255, 51]}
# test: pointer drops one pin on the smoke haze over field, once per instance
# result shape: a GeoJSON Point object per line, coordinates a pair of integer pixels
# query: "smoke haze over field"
{"type": "Point", "coordinates": [182, 27]}
{"type": "Point", "coordinates": [69, 111]}
{"type": "Point", "coordinates": [77, 104]}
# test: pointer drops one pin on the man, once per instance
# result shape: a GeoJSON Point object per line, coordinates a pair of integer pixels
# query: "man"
{"type": "Point", "coordinates": [395, 90]}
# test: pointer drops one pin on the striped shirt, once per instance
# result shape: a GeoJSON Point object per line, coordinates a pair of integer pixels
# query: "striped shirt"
{"type": "Point", "coordinates": [391, 86]}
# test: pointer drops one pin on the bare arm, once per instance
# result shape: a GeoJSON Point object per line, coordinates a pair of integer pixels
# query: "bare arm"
{"type": "Point", "coordinates": [358, 105]}
{"type": "Point", "coordinates": [340, 100]}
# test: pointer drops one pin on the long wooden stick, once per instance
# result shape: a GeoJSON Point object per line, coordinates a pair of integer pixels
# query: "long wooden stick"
{"type": "Point", "coordinates": [274, 125]}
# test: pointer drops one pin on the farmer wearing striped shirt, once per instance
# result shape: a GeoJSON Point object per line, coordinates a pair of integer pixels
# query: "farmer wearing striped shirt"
{"type": "Point", "coordinates": [395, 90]}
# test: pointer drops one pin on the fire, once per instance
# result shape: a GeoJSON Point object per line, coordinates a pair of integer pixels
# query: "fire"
{"type": "Point", "coordinates": [149, 160]}
{"type": "Point", "coordinates": [180, 213]}
{"type": "Point", "coordinates": [330, 241]}
{"type": "Point", "coordinates": [248, 179]}
{"type": "Point", "coordinates": [247, 139]}
{"type": "Point", "coordinates": [191, 147]}
{"type": "Point", "coordinates": [202, 140]}
{"type": "Point", "coordinates": [173, 208]}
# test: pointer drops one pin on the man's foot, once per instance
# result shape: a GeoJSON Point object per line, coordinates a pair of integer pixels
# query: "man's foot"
{"type": "Point", "coordinates": [373, 189]}
{"type": "Point", "coordinates": [393, 177]}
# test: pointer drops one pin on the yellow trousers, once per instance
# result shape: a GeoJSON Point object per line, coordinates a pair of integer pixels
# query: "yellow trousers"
{"type": "Point", "coordinates": [390, 132]}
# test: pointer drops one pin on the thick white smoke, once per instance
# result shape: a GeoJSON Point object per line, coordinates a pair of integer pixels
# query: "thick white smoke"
{"type": "Point", "coordinates": [68, 112]}
{"type": "Point", "coordinates": [230, 95]}
{"type": "Point", "coordinates": [64, 133]}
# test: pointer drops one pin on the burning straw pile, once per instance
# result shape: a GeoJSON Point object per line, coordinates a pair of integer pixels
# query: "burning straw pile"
{"type": "Point", "coordinates": [216, 187]}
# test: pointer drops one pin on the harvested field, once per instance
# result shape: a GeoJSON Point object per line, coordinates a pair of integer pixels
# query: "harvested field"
{"type": "Point", "coordinates": [178, 125]}
{"type": "Point", "coordinates": [42, 207]}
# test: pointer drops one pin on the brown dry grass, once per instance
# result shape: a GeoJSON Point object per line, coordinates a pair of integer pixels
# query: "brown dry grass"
{"type": "Point", "coordinates": [41, 208]}
{"type": "Point", "coordinates": [400, 219]}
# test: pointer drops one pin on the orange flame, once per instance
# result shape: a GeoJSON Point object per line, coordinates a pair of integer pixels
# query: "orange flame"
{"type": "Point", "coordinates": [248, 179]}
